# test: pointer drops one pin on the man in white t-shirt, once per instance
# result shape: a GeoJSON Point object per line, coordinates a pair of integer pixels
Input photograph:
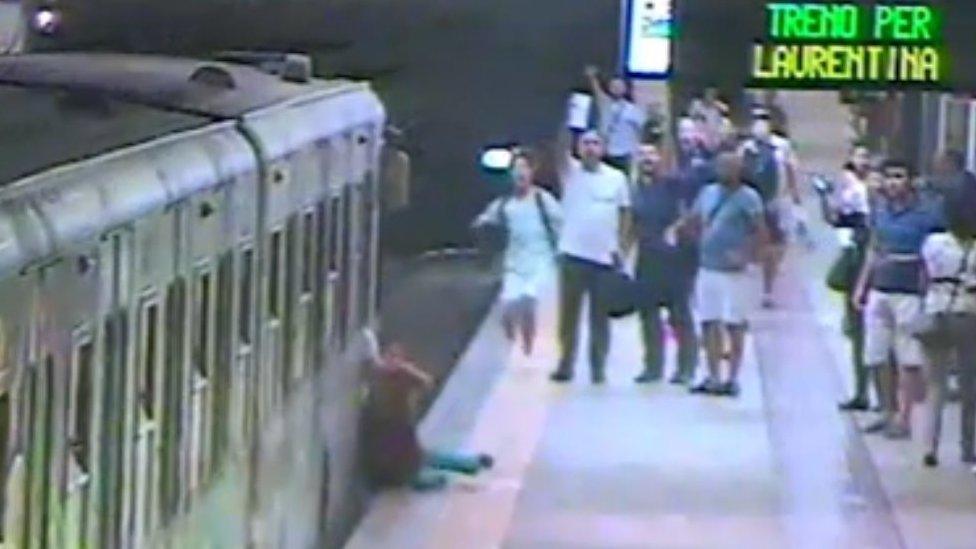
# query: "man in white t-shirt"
{"type": "Point", "coordinates": [596, 203]}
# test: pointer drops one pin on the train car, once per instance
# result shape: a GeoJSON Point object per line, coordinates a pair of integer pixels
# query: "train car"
{"type": "Point", "coordinates": [189, 249]}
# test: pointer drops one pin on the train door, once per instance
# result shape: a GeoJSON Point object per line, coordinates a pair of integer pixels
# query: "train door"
{"type": "Point", "coordinates": [62, 386]}
{"type": "Point", "coordinates": [302, 288]}
{"type": "Point", "coordinates": [117, 399]}
{"type": "Point", "coordinates": [152, 405]}
{"type": "Point", "coordinates": [334, 260]}
{"type": "Point", "coordinates": [242, 385]}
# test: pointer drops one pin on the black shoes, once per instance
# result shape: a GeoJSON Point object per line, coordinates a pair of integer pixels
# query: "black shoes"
{"type": "Point", "coordinates": [648, 377]}
{"type": "Point", "coordinates": [930, 460]}
{"type": "Point", "coordinates": [561, 376]}
{"type": "Point", "coordinates": [855, 404]}
{"type": "Point", "coordinates": [715, 388]}
{"type": "Point", "coordinates": [680, 379]}
{"type": "Point", "coordinates": [486, 461]}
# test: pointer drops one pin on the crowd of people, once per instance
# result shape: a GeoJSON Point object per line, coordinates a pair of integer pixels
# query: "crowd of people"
{"type": "Point", "coordinates": [692, 218]}
{"type": "Point", "coordinates": [908, 271]}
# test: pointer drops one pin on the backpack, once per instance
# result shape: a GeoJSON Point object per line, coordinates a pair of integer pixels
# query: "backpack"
{"type": "Point", "coordinates": [760, 170]}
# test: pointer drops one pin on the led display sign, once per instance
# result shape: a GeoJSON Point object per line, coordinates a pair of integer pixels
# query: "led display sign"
{"type": "Point", "coordinates": [846, 44]}
{"type": "Point", "coordinates": [647, 31]}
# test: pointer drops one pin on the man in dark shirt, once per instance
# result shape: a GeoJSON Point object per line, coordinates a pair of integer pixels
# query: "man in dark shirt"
{"type": "Point", "coordinates": [666, 266]}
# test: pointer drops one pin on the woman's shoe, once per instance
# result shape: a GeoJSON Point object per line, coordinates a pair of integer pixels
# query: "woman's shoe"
{"type": "Point", "coordinates": [855, 404]}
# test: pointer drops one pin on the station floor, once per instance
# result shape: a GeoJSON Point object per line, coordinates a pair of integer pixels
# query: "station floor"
{"type": "Point", "coordinates": [621, 465]}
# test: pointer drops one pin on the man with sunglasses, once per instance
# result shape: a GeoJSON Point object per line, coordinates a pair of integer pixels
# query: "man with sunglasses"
{"type": "Point", "coordinates": [889, 291]}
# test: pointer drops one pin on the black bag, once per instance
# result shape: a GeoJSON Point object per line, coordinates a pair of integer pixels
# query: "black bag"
{"type": "Point", "coordinates": [620, 293]}
{"type": "Point", "coordinates": [844, 272]}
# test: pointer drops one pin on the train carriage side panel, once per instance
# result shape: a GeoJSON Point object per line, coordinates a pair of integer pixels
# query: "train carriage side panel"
{"type": "Point", "coordinates": [341, 131]}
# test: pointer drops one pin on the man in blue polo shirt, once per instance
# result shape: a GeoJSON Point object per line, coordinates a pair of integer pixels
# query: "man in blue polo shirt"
{"type": "Point", "coordinates": [890, 285]}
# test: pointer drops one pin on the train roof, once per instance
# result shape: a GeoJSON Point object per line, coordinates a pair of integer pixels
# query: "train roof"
{"type": "Point", "coordinates": [40, 129]}
{"type": "Point", "coordinates": [208, 88]}
{"type": "Point", "coordinates": [65, 107]}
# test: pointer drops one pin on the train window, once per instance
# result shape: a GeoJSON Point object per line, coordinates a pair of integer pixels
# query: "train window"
{"type": "Point", "coordinates": [202, 342]}
{"type": "Point", "coordinates": [148, 370]}
{"type": "Point", "coordinates": [308, 247]}
{"type": "Point", "coordinates": [246, 290]}
{"type": "Point", "coordinates": [346, 308]}
{"type": "Point", "coordinates": [173, 402]}
{"type": "Point", "coordinates": [335, 233]}
{"type": "Point", "coordinates": [5, 434]}
{"type": "Point", "coordinates": [82, 401]}
{"type": "Point", "coordinates": [222, 365]}
{"type": "Point", "coordinates": [274, 275]}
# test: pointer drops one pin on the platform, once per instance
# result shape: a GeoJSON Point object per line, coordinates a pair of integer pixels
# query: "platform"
{"type": "Point", "coordinates": [622, 465]}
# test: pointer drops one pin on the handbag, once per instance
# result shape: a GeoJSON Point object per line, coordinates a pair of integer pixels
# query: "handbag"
{"type": "Point", "coordinates": [932, 329]}
{"type": "Point", "coordinates": [844, 271]}
{"type": "Point", "coordinates": [620, 293]}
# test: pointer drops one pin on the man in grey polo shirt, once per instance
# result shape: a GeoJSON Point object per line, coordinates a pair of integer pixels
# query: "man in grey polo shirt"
{"type": "Point", "coordinates": [729, 217]}
{"type": "Point", "coordinates": [596, 202]}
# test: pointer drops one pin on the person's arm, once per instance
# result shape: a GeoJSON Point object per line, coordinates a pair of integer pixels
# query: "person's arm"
{"type": "Point", "coordinates": [864, 277]}
{"type": "Point", "coordinates": [490, 215]}
{"type": "Point", "coordinates": [593, 78]}
{"type": "Point", "coordinates": [625, 224]}
{"type": "Point", "coordinates": [564, 158]}
{"type": "Point", "coordinates": [792, 180]}
{"type": "Point", "coordinates": [415, 374]}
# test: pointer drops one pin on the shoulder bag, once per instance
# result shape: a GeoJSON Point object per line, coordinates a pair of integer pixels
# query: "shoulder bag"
{"type": "Point", "coordinates": [932, 328]}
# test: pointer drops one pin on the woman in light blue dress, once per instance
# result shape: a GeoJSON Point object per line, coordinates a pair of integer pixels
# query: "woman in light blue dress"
{"type": "Point", "coordinates": [533, 217]}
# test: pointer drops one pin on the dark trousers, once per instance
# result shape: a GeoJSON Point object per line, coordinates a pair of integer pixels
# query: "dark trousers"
{"type": "Point", "coordinates": [667, 282]}
{"type": "Point", "coordinates": [579, 277]}
{"type": "Point", "coordinates": [682, 324]}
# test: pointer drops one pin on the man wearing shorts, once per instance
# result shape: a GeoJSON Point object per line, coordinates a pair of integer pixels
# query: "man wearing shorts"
{"type": "Point", "coordinates": [889, 290]}
{"type": "Point", "coordinates": [729, 217]}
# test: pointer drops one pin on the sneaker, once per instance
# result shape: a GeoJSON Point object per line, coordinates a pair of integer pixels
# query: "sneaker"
{"type": "Point", "coordinates": [648, 377]}
{"type": "Point", "coordinates": [680, 379]}
{"type": "Point", "coordinates": [878, 426]}
{"type": "Point", "coordinates": [730, 388]}
{"type": "Point", "coordinates": [854, 405]}
{"type": "Point", "coordinates": [897, 432]}
{"type": "Point", "coordinates": [707, 387]}
{"type": "Point", "coordinates": [561, 376]}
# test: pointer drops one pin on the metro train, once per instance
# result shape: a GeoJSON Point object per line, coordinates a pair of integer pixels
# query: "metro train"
{"type": "Point", "coordinates": [186, 248]}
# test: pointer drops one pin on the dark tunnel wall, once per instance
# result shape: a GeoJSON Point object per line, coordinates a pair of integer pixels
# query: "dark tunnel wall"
{"type": "Point", "coordinates": [457, 74]}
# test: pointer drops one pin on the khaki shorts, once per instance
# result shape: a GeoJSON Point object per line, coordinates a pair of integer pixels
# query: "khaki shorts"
{"type": "Point", "coordinates": [886, 320]}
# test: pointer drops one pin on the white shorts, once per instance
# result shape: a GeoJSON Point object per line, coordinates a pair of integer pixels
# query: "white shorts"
{"type": "Point", "coordinates": [886, 320]}
{"type": "Point", "coordinates": [722, 297]}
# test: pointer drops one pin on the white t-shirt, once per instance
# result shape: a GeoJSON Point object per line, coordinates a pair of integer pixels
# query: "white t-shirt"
{"type": "Point", "coordinates": [591, 212]}
{"type": "Point", "coordinates": [621, 123]}
{"type": "Point", "coordinates": [943, 256]}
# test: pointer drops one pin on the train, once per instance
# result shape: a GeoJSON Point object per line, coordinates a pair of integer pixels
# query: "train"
{"type": "Point", "coordinates": [188, 254]}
